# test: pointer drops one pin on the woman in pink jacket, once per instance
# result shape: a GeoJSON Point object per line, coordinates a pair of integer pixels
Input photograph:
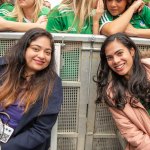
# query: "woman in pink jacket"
{"type": "Point", "coordinates": [123, 81]}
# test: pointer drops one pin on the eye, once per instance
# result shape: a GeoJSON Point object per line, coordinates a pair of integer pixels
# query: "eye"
{"type": "Point", "coordinates": [35, 49]}
{"type": "Point", "coordinates": [109, 58]}
{"type": "Point", "coordinates": [109, 0]}
{"type": "Point", "coordinates": [119, 53]}
{"type": "Point", "coordinates": [48, 53]}
{"type": "Point", "coordinates": [118, 1]}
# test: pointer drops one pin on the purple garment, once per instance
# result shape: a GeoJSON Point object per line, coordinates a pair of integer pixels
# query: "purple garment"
{"type": "Point", "coordinates": [15, 112]}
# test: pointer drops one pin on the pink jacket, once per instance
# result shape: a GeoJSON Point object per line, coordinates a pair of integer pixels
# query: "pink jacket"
{"type": "Point", "coordinates": [134, 123]}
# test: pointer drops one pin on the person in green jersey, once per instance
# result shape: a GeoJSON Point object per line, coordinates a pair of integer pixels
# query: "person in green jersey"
{"type": "Point", "coordinates": [132, 18]}
{"type": "Point", "coordinates": [26, 15]}
{"type": "Point", "coordinates": [76, 16]}
{"type": "Point", "coordinates": [6, 6]}
{"type": "Point", "coordinates": [28, 11]}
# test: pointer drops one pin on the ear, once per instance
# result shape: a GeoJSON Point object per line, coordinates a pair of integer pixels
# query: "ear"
{"type": "Point", "coordinates": [132, 51]}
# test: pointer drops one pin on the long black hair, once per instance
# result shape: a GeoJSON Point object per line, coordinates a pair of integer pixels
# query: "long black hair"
{"type": "Point", "coordinates": [138, 85]}
{"type": "Point", "coordinates": [40, 84]}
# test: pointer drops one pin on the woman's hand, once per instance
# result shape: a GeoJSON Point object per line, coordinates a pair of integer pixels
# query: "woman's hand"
{"type": "Point", "coordinates": [42, 19]}
{"type": "Point", "coordinates": [47, 3]}
{"type": "Point", "coordinates": [98, 12]}
{"type": "Point", "coordinates": [137, 5]}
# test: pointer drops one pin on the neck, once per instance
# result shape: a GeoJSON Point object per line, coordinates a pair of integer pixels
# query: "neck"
{"type": "Point", "coordinates": [28, 13]}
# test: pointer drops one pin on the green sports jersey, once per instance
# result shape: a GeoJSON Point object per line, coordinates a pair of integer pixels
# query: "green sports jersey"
{"type": "Point", "coordinates": [139, 20]}
{"type": "Point", "coordinates": [5, 8]}
{"type": "Point", "coordinates": [44, 11]}
{"type": "Point", "coordinates": [63, 21]}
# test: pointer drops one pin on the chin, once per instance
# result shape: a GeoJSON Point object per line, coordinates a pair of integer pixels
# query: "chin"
{"type": "Point", "coordinates": [114, 14]}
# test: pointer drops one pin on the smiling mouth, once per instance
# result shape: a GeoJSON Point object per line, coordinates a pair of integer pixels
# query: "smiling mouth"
{"type": "Point", "coordinates": [119, 67]}
{"type": "Point", "coordinates": [39, 62]}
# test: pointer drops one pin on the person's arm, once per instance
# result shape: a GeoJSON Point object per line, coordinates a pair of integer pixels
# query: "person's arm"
{"type": "Point", "coordinates": [136, 137]}
{"type": "Point", "coordinates": [40, 130]}
{"type": "Point", "coordinates": [6, 25]}
{"type": "Point", "coordinates": [120, 24]}
{"type": "Point", "coordinates": [143, 33]}
{"type": "Point", "coordinates": [96, 17]}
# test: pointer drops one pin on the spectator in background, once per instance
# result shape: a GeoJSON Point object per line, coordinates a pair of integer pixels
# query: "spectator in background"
{"type": "Point", "coordinates": [28, 11]}
{"type": "Point", "coordinates": [31, 12]}
{"type": "Point", "coordinates": [126, 16]}
{"type": "Point", "coordinates": [76, 16]}
{"type": "Point", "coordinates": [31, 91]}
{"type": "Point", "coordinates": [123, 81]}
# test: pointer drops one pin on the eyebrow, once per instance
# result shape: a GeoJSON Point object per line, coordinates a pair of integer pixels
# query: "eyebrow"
{"type": "Point", "coordinates": [115, 52]}
{"type": "Point", "coordinates": [41, 47]}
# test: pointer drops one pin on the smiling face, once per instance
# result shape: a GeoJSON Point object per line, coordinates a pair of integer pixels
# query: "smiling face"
{"type": "Point", "coordinates": [119, 58]}
{"type": "Point", "coordinates": [38, 55]}
{"type": "Point", "coordinates": [116, 7]}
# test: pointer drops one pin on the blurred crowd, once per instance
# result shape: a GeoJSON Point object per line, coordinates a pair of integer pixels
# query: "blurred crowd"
{"type": "Point", "coordinates": [131, 17]}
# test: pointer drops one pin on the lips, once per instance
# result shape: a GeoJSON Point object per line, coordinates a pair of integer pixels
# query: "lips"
{"type": "Point", "coordinates": [119, 67]}
{"type": "Point", "coordinates": [39, 62]}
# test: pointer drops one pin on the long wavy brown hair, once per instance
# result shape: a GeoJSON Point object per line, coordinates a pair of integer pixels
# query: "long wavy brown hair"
{"type": "Point", "coordinates": [14, 85]}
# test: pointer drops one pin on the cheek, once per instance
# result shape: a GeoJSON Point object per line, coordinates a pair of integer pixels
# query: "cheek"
{"type": "Point", "coordinates": [109, 64]}
{"type": "Point", "coordinates": [123, 6]}
{"type": "Point", "coordinates": [48, 59]}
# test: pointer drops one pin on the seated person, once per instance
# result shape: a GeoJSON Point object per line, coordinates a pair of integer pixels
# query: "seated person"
{"type": "Point", "coordinates": [124, 16]}
{"type": "Point", "coordinates": [31, 92]}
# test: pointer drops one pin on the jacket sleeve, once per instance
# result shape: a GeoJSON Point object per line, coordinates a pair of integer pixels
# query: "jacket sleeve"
{"type": "Point", "coordinates": [40, 130]}
{"type": "Point", "coordinates": [136, 137]}
{"type": "Point", "coordinates": [3, 64]}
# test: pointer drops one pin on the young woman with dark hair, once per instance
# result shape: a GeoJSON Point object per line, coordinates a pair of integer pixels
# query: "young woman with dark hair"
{"type": "Point", "coordinates": [123, 81]}
{"type": "Point", "coordinates": [128, 16]}
{"type": "Point", "coordinates": [31, 91]}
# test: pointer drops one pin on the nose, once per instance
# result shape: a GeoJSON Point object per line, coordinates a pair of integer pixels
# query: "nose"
{"type": "Point", "coordinates": [41, 54]}
{"type": "Point", "coordinates": [113, 3]}
{"type": "Point", "coordinates": [116, 60]}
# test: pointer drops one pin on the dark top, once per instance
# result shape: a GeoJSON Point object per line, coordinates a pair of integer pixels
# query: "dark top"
{"type": "Point", "coordinates": [34, 131]}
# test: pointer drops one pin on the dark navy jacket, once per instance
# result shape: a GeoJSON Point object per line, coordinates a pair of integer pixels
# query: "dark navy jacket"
{"type": "Point", "coordinates": [34, 130]}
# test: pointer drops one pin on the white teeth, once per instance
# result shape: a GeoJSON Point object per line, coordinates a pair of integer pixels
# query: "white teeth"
{"type": "Point", "coordinates": [119, 66]}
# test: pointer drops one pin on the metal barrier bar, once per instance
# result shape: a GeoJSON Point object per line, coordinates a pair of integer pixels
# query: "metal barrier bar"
{"type": "Point", "coordinates": [73, 37]}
